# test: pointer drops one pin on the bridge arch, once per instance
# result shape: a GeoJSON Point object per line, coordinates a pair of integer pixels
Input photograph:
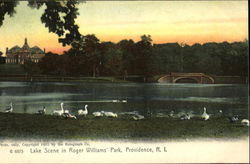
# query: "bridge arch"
{"type": "Point", "coordinates": [186, 80]}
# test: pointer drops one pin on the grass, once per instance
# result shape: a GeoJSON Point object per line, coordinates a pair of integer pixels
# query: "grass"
{"type": "Point", "coordinates": [11, 69]}
{"type": "Point", "coordinates": [20, 126]}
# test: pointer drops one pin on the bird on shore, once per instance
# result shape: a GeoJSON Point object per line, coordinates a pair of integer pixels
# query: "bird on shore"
{"type": "Point", "coordinates": [220, 113]}
{"type": "Point", "coordinates": [160, 115]}
{"type": "Point", "coordinates": [245, 122]}
{"type": "Point", "coordinates": [233, 119]}
{"type": "Point", "coordinates": [205, 116]}
{"type": "Point", "coordinates": [84, 112]}
{"type": "Point", "coordinates": [116, 101]}
{"type": "Point", "coordinates": [68, 115]}
{"type": "Point", "coordinates": [97, 114]}
{"type": "Point", "coordinates": [59, 112]}
{"type": "Point", "coordinates": [109, 114]}
{"type": "Point", "coordinates": [149, 113]}
{"type": "Point", "coordinates": [9, 109]}
{"type": "Point", "coordinates": [129, 113]}
{"type": "Point", "coordinates": [185, 117]}
{"type": "Point", "coordinates": [42, 111]}
{"type": "Point", "coordinates": [171, 114]}
{"type": "Point", "coordinates": [138, 117]}
{"type": "Point", "coordinates": [124, 101]}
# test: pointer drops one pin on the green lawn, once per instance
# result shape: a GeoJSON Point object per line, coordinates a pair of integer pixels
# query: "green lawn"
{"type": "Point", "coordinates": [11, 69]}
{"type": "Point", "coordinates": [52, 127]}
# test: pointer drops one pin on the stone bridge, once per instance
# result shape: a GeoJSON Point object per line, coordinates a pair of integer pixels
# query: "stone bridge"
{"type": "Point", "coordinates": [186, 78]}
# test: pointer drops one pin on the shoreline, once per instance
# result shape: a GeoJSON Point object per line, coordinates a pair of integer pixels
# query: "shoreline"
{"type": "Point", "coordinates": [98, 80]}
{"type": "Point", "coordinates": [52, 127]}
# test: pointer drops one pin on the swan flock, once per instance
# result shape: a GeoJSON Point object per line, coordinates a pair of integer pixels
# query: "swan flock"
{"type": "Point", "coordinates": [62, 112]}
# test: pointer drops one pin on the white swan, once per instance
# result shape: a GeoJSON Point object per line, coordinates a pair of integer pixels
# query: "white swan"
{"type": "Point", "coordinates": [234, 118]}
{"type": "Point", "coordinates": [185, 117]}
{"type": "Point", "coordinates": [116, 101]}
{"type": "Point", "coordinates": [245, 122]}
{"type": "Point", "coordinates": [220, 113]}
{"type": "Point", "coordinates": [129, 113]}
{"type": "Point", "coordinates": [205, 116]}
{"type": "Point", "coordinates": [59, 112]}
{"type": "Point", "coordinates": [171, 113]}
{"type": "Point", "coordinates": [42, 112]}
{"type": "Point", "coordinates": [138, 117]}
{"type": "Point", "coordinates": [68, 115]}
{"type": "Point", "coordinates": [97, 114]}
{"type": "Point", "coordinates": [9, 109]}
{"type": "Point", "coordinates": [109, 114]}
{"type": "Point", "coordinates": [83, 112]}
{"type": "Point", "coordinates": [160, 115]}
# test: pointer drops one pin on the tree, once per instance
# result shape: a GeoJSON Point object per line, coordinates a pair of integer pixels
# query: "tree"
{"type": "Point", "coordinates": [7, 8]}
{"type": "Point", "coordinates": [112, 62]}
{"type": "Point", "coordinates": [1, 58]}
{"type": "Point", "coordinates": [143, 51]}
{"type": "Point", "coordinates": [87, 53]}
{"type": "Point", "coordinates": [31, 68]}
{"type": "Point", "coordinates": [49, 63]}
{"type": "Point", "coordinates": [168, 57]}
{"type": "Point", "coordinates": [127, 48]}
{"type": "Point", "coordinates": [59, 17]}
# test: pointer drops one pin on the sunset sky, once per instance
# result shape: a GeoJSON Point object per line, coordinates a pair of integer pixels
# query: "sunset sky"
{"type": "Point", "coordinates": [166, 21]}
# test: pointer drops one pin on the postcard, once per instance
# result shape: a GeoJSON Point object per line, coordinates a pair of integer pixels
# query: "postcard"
{"type": "Point", "coordinates": [124, 81]}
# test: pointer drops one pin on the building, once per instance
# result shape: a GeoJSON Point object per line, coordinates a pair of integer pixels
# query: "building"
{"type": "Point", "coordinates": [17, 55]}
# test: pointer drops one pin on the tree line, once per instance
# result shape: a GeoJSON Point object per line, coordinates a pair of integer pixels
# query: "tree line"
{"type": "Point", "coordinates": [90, 57]}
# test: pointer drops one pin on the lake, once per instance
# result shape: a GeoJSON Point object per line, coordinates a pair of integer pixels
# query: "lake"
{"type": "Point", "coordinates": [29, 97]}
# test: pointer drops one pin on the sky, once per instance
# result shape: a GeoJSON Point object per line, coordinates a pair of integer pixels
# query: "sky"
{"type": "Point", "coordinates": [186, 22]}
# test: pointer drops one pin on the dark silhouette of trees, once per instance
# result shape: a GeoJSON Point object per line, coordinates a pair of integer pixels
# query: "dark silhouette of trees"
{"type": "Point", "coordinates": [127, 48]}
{"type": "Point", "coordinates": [143, 56]}
{"type": "Point", "coordinates": [7, 8]}
{"type": "Point", "coordinates": [167, 57]}
{"type": "Point", "coordinates": [112, 62]}
{"type": "Point", "coordinates": [89, 57]}
{"type": "Point", "coordinates": [31, 68]}
{"type": "Point", "coordinates": [59, 17]}
{"type": "Point", "coordinates": [2, 61]}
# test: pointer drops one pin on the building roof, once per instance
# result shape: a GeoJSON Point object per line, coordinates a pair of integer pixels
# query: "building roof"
{"type": "Point", "coordinates": [14, 49]}
{"type": "Point", "coordinates": [36, 49]}
{"type": "Point", "coordinates": [26, 48]}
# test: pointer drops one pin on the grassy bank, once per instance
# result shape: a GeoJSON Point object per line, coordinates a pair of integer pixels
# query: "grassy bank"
{"type": "Point", "coordinates": [11, 69]}
{"type": "Point", "coordinates": [52, 127]}
{"type": "Point", "coordinates": [44, 78]}
{"type": "Point", "coordinates": [15, 72]}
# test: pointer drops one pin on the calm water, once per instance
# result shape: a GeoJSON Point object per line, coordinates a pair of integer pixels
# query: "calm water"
{"type": "Point", "coordinates": [29, 97]}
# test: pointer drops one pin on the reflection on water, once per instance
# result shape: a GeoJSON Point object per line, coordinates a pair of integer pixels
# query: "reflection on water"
{"type": "Point", "coordinates": [155, 97]}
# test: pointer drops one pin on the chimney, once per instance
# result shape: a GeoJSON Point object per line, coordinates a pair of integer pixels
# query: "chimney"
{"type": "Point", "coordinates": [7, 49]}
{"type": "Point", "coordinates": [44, 50]}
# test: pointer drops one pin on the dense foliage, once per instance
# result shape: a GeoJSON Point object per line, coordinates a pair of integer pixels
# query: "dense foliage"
{"type": "Point", "coordinates": [1, 58]}
{"type": "Point", "coordinates": [90, 57]}
{"type": "Point", "coordinates": [59, 16]}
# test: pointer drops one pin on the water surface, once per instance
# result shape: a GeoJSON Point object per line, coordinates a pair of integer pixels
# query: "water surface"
{"type": "Point", "coordinates": [28, 97]}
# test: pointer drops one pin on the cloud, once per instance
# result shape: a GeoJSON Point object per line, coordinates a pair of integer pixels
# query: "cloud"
{"type": "Point", "coordinates": [214, 20]}
{"type": "Point", "coordinates": [121, 23]}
